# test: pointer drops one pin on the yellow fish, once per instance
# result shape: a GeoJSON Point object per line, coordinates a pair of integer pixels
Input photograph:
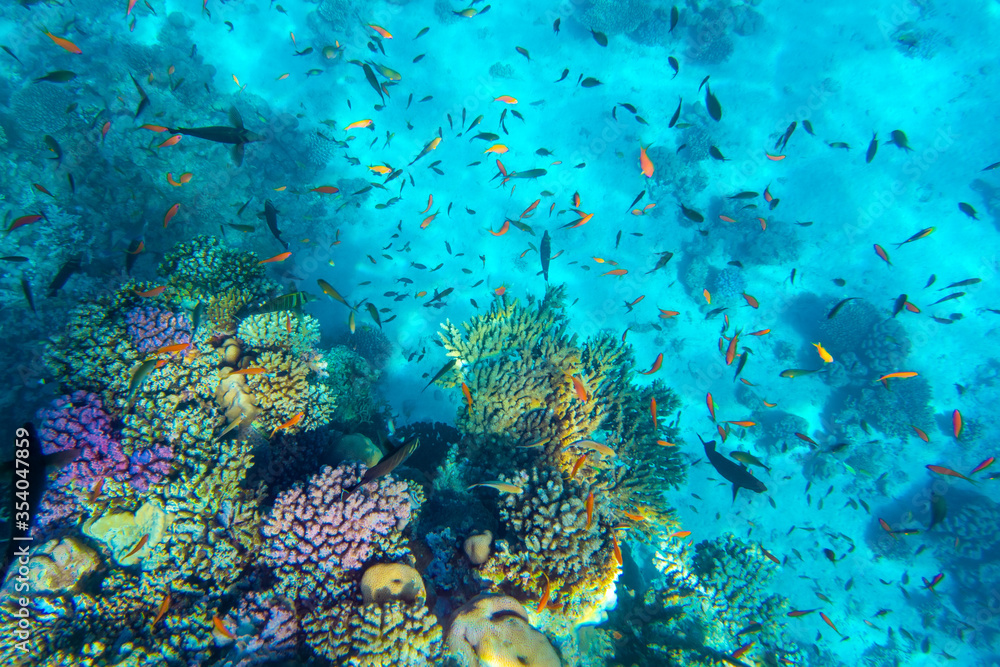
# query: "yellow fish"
{"type": "Point", "coordinates": [823, 354]}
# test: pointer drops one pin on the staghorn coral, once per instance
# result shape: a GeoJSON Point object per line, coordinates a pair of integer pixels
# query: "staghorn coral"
{"type": "Point", "coordinates": [394, 634]}
{"type": "Point", "coordinates": [204, 266]}
{"type": "Point", "coordinates": [552, 541]}
{"type": "Point", "coordinates": [282, 330]}
{"type": "Point", "coordinates": [317, 532]}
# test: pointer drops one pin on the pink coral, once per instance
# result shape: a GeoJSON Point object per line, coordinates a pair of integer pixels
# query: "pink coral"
{"type": "Point", "coordinates": [150, 328]}
{"type": "Point", "coordinates": [325, 526]}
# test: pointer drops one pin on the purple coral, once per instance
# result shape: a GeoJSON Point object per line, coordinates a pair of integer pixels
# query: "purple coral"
{"type": "Point", "coordinates": [326, 526]}
{"type": "Point", "coordinates": [150, 328]}
{"type": "Point", "coordinates": [79, 421]}
{"type": "Point", "coordinates": [276, 628]}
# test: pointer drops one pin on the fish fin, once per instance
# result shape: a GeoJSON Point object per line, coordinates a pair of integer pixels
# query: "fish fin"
{"type": "Point", "coordinates": [736, 487]}
{"type": "Point", "coordinates": [235, 118]}
{"type": "Point", "coordinates": [238, 158]}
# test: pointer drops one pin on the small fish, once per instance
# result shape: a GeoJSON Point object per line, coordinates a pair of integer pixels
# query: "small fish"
{"type": "Point", "coordinates": [502, 487]}
{"type": "Point", "coordinates": [139, 545]}
{"type": "Point", "coordinates": [599, 37]}
{"type": "Point", "coordinates": [968, 210]}
{"type": "Point", "coordinates": [712, 104]}
{"type": "Point", "coordinates": [872, 149]}
{"type": "Point", "coordinates": [58, 76]}
{"type": "Point", "coordinates": [387, 464]}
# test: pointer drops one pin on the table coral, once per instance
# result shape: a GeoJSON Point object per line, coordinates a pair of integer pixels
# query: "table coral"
{"type": "Point", "coordinates": [314, 533]}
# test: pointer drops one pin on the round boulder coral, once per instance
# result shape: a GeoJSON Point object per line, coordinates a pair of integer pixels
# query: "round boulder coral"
{"type": "Point", "coordinates": [385, 582]}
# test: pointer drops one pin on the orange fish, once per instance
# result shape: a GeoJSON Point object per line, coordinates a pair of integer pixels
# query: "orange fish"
{"type": "Point", "coordinates": [288, 323]}
{"type": "Point", "coordinates": [289, 424]}
{"type": "Point", "coordinates": [95, 492]}
{"type": "Point", "coordinates": [770, 555]}
{"type": "Point", "coordinates": [590, 508]}
{"type": "Point", "coordinates": [664, 443]}
{"type": "Point", "coordinates": [42, 189]}
{"type": "Point", "coordinates": [24, 220]}
{"type": "Point", "coordinates": [956, 424]}
{"type": "Point", "coordinates": [948, 471]}
{"type": "Point", "coordinates": [731, 350]}
{"type": "Point", "coordinates": [726, 218]}
{"type": "Point", "coordinates": [186, 177]}
{"type": "Point", "coordinates": [770, 405]}
{"type": "Point", "coordinates": [616, 549]}
{"type": "Point", "coordinates": [64, 43]}
{"type": "Point", "coordinates": [170, 179]}
{"type": "Point", "coordinates": [282, 77]}
{"type": "Point", "coordinates": [428, 220]}
{"type": "Point", "coordinates": [762, 332]}
{"type": "Point", "coordinates": [104, 129]}
{"type": "Point", "coordinates": [430, 202]}
{"type": "Point", "coordinates": [249, 371]}
{"type": "Point", "coordinates": [156, 291]}
{"type": "Point", "coordinates": [723, 432]}
{"type": "Point", "coordinates": [545, 596]}
{"type": "Point", "coordinates": [468, 396]}
{"type": "Point", "coordinates": [656, 365]}
{"type": "Point", "coordinates": [751, 301]}
{"type": "Point", "coordinates": [380, 30]}
{"type": "Point", "coordinates": [221, 628]}
{"type": "Point", "coordinates": [162, 611]}
{"type": "Point", "coordinates": [579, 462]}
{"type": "Point", "coordinates": [985, 464]}
{"type": "Point", "coordinates": [503, 229]}
{"type": "Point", "coordinates": [920, 433]}
{"type": "Point", "coordinates": [652, 410]}
{"type": "Point", "coordinates": [171, 141]}
{"type": "Point", "coordinates": [744, 424]}
{"type": "Point", "coordinates": [325, 189]}
{"type": "Point", "coordinates": [154, 128]}
{"type": "Point", "coordinates": [711, 405]}
{"type": "Point", "coordinates": [581, 391]}
{"type": "Point", "coordinates": [170, 214]}
{"type": "Point", "coordinates": [176, 347]}
{"type": "Point", "coordinates": [139, 545]}
{"type": "Point", "coordinates": [277, 258]}
{"type": "Point", "coordinates": [681, 534]}
{"type": "Point", "coordinates": [281, 189]}
{"type": "Point", "coordinates": [499, 149]}
{"type": "Point", "coordinates": [359, 123]}
{"type": "Point", "coordinates": [898, 374]}
{"type": "Point", "coordinates": [774, 158]}
{"type": "Point", "coordinates": [803, 436]}
{"type": "Point", "coordinates": [708, 296]}
{"type": "Point", "coordinates": [800, 612]}
{"type": "Point", "coordinates": [530, 209]}
{"type": "Point", "coordinates": [645, 164]}
{"type": "Point", "coordinates": [886, 528]}
{"type": "Point", "coordinates": [830, 623]}
{"type": "Point", "coordinates": [506, 99]}
{"type": "Point", "coordinates": [667, 314]}
{"type": "Point", "coordinates": [635, 517]}
{"type": "Point", "coordinates": [880, 251]}
{"type": "Point", "coordinates": [500, 291]}
{"type": "Point", "coordinates": [581, 221]}
{"type": "Point", "coordinates": [615, 272]}
{"type": "Point", "coordinates": [380, 169]}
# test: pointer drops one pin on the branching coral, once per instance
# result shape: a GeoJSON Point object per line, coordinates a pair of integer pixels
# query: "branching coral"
{"type": "Point", "coordinates": [150, 328]}
{"type": "Point", "coordinates": [282, 330]}
{"type": "Point", "coordinates": [317, 532]}
{"type": "Point", "coordinates": [204, 266]}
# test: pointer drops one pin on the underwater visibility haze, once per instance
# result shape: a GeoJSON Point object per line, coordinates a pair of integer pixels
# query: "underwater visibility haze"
{"type": "Point", "coordinates": [500, 333]}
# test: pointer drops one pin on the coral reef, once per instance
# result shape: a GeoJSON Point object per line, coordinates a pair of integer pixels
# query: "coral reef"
{"type": "Point", "coordinates": [495, 630]}
{"type": "Point", "coordinates": [728, 285]}
{"type": "Point", "coordinates": [204, 266]}
{"type": "Point", "coordinates": [370, 343]}
{"type": "Point", "coordinates": [892, 411]}
{"type": "Point", "coordinates": [611, 17]}
{"type": "Point", "coordinates": [314, 533]}
{"type": "Point", "coordinates": [284, 330]}
{"type": "Point", "coordinates": [150, 328]}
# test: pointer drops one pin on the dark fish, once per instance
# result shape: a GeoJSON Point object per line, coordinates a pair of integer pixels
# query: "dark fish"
{"type": "Point", "coordinates": [836, 309]}
{"type": "Point", "coordinates": [271, 216]}
{"type": "Point", "coordinates": [11, 54]}
{"type": "Point", "coordinates": [564, 74]}
{"type": "Point", "coordinates": [58, 76]}
{"type": "Point", "coordinates": [636, 200]}
{"type": "Point", "coordinates": [53, 146]}
{"type": "Point", "coordinates": [70, 267]}
{"type": "Point", "coordinates": [692, 214]}
{"type": "Point", "coordinates": [599, 37]}
{"type": "Point", "coordinates": [423, 31]}
{"type": "Point", "coordinates": [555, 25]}
{"type": "Point", "coordinates": [703, 82]}
{"type": "Point", "coordinates": [674, 17]}
{"type": "Point", "coordinates": [872, 148]}
{"type": "Point", "coordinates": [237, 134]}
{"type": "Point", "coordinates": [808, 127]}
{"type": "Point", "coordinates": [14, 258]}
{"type": "Point", "coordinates": [143, 98]}
{"type": "Point", "coordinates": [839, 282]}
{"type": "Point", "coordinates": [523, 51]}
{"type": "Point", "coordinates": [304, 52]}
{"type": "Point", "coordinates": [26, 289]}
{"type": "Point", "coordinates": [968, 210]}
{"type": "Point", "coordinates": [737, 474]}
{"type": "Point", "coordinates": [386, 465]}
{"type": "Point", "coordinates": [716, 153]}
{"type": "Point", "coordinates": [486, 136]}
{"type": "Point", "coordinates": [447, 367]}
{"type": "Point", "coordinates": [239, 213]}
{"type": "Point", "coordinates": [662, 261]}
{"type": "Point", "coordinates": [897, 307]}
{"type": "Point", "coordinates": [544, 251]}
{"type": "Point", "coordinates": [746, 194]}
{"type": "Point", "coordinates": [962, 283]}
{"type": "Point", "coordinates": [674, 65]}
{"type": "Point", "coordinates": [838, 144]}
{"type": "Point", "coordinates": [677, 114]}
{"type": "Point", "coordinates": [372, 80]}
{"type": "Point", "coordinates": [989, 168]}
{"type": "Point", "coordinates": [899, 140]}
{"type": "Point", "coordinates": [530, 173]}
{"type": "Point", "coordinates": [955, 295]}
{"type": "Point", "coordinates": [712, 104]}
{"type": "Point", "coordinates": [780, 143]}
{"type": "Point", "coordinates": [373, 311]}
{"type": "Point", "coordinates": [590, 82]}
{"type": "Point", "coordinates": [740, 365]}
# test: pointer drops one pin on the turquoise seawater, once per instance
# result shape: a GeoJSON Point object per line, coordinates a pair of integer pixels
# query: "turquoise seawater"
{"type": "Point", "coordinates": [664, 334]}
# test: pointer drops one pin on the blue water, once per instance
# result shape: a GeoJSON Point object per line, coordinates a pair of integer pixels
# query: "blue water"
{"type": "Point", "coordinates": [842, 133]}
